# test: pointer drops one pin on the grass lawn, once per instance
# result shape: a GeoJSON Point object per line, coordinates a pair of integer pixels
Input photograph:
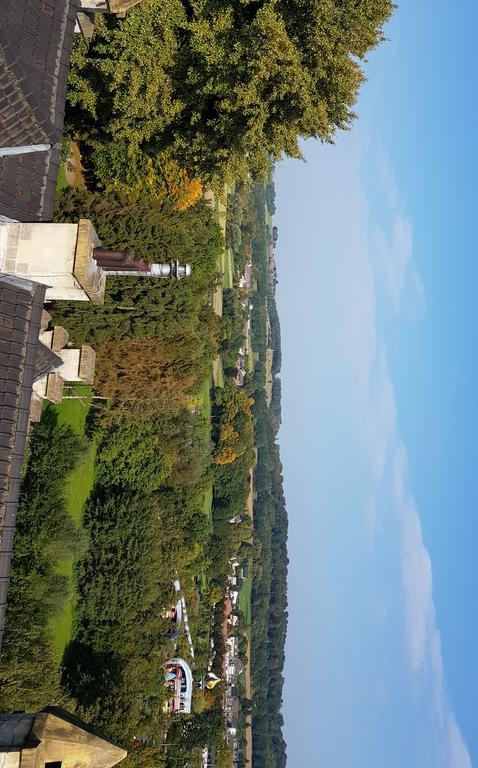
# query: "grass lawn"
{"type": "Point", "coordinates": [218, 372]}
{"type": "Point", "coordinates": [245, 596]}
{"type": "Point", "coordinates": [77, 489]}
{"type": "Point", "coordinates": [61, 182]}
{"type": "Point", "coordinates": [205, 395]}
{"type": "Point", "coordinates": [227, 269]}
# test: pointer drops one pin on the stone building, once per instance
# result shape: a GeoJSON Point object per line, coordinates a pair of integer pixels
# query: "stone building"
{"type": "Point", "coordinates": [70, 260]}
{"type": "Point", "coordinates": [76, 365]}
{"type": "Point", "coordinates": [53, 738]}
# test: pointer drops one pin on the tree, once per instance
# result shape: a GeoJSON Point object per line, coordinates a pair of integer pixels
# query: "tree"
{"type": "Point", "coordinates": [142, 372]}
{"type": "Point", "coordinates": [221, 85]}
{"type": "Point", "coordinates": [203, 729]}
{"type": "Point", "coordinates": [155, 339]}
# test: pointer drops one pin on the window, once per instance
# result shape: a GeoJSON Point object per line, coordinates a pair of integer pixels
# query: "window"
{"type": "Point", "coordinates": [53, 764]}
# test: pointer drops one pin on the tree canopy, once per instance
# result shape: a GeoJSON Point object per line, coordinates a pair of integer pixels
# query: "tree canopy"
{"type": "Point", "coordinates": [234, 82]}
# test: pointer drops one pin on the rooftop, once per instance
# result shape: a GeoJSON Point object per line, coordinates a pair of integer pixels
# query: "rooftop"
{"type": "Point", "coordinates": [36, 37]}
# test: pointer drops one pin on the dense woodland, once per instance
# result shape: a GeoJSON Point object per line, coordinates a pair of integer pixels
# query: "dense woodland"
{"type": "Point", "coordinates": [176, 98]}
{"type": "Point", "coordinates": [269, 595]}
{"type": "Point", "coordinates": [29, 675]}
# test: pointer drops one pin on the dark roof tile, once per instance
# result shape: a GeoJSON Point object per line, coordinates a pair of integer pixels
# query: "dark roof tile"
{"type": "Point", "coordinates": [35, 45]}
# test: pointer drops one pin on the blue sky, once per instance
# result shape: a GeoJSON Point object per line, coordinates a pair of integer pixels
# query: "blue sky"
{"type": "Point", "coordinates": [378, 281]}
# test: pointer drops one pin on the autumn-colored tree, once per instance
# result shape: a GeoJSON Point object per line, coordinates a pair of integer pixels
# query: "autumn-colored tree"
{"type": "Point", "coordinates": [225, 455]}
{"type": "Point", "coordinates": [180, 186]}
{"type": "Point", "coordinates": [140, 371]}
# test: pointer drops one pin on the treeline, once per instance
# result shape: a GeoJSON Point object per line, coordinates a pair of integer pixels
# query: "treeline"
{"type": "Point", "coordinates": [233, 435]}
{"type": "Point", "coordinates": [269, 594]}
{"type": "Point", "coordinates": [240, 225]}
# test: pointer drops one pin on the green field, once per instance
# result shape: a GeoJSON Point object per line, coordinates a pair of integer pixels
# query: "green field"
{"type": "Point", "coordinates": [77, 489]}
{"type": "Point", "coordinates": [61, 182]}
{"type": "Point", "coordinates": [245, 596]}
{"type": "Point", "coordinates": [207, 504]}
{"type": "Point", "coordinates": [227, 268]}
{"type": "Point", "coordinates": [218, 372]}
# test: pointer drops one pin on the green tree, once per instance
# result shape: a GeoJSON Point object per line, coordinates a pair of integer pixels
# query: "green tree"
{"type": "Point", "coordinates": [222, 85]}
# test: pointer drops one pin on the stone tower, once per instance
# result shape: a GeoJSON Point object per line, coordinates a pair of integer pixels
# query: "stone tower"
{"type": "Point", "coordinates": [70, 260]}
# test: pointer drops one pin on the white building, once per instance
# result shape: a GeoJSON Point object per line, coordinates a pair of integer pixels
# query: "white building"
{"type": "Point", "coordinates": [179, 679]}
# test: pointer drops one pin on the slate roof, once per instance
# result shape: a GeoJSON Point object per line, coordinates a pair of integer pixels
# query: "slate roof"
{"type": "Point", "coordinates": [21, 306]}
{"type": "Point", "coordinates": [46, 361]}
{"type": "Point", "coordinates": [36, 37]}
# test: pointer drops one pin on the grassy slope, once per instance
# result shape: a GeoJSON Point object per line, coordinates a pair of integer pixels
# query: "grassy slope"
{"type": "Point", "coordinates": [227, 269]}
{"type": "Point", "coordinates": [245, 597]}
{"type": "Point", "coordinates": [61, 182]}
{"type": "Point", "coordinates": [77, 489]}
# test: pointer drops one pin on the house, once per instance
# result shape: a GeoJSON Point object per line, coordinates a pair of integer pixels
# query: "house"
{"type": "Point", "coordinates": [87, 10]}
{"type": "Point", "coordinates": [76, 365]}
{"type": "Point", "coordinates": [54, 738]}
{"type": "Point", "coordinates": [209, 757]}
{"type": "Point", "coordinates": [246, 277]}
{"type": "Point", "coordinates": [70, 259]}
{"type": "Point", "coordinates": [179, 679]}
{"type": "Point", "coordinates": [240, 370]}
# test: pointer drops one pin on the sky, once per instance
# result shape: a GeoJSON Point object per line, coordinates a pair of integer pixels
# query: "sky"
{"type": "Point", "coordinates": [377, 295]}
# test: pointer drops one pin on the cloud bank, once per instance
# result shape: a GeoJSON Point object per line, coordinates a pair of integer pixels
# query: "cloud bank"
{"type": "Point", "coordinates": [381, 269]}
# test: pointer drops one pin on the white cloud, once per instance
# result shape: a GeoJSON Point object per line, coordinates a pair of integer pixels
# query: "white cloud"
{"type": "Point", "coordinates": [416, 295]}
{"type": "Point", "coordinates": [393, 255]}
{"type": "Point", "coordinates": [416, 573]}
{"type": "Point", "coordinates": [358, 270]}
{"type": "Point", "coordinates": [458, 755]}
{"type": "Point", "coordinates": [423, 638]}
{"type": "Point", "coordinates": [392, 251]}
{"type": "Point", "coordinates": [380, 414]}
{"type": "Point", "coordinates": [388, 266]}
